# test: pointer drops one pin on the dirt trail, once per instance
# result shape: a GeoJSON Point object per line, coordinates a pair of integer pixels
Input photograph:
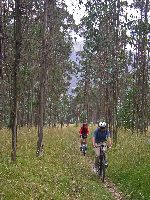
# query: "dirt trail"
{"type": "Point", "coordinates": [113, 189]}
{"type": "Point", "coordinates": [117, 195]}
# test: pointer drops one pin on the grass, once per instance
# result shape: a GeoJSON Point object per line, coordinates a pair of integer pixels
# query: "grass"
{"type": "Point", "coordinates": [130, 166]}
{"type": "Point", "coordinates": [61, 174]}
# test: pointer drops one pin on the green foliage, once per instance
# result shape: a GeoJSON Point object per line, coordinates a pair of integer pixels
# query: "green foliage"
{"type": "Point", "coordinates": [129, 166]}
{"type": "Point", "coordinates": [125, 113]}
{"type": "Point", "coordinates": [62, 173]}
{"type": "Point", "coordinates": [59, 67]}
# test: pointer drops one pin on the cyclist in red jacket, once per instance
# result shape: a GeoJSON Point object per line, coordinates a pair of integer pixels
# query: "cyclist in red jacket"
{"type": "Point", "coordinates": [84, 131]}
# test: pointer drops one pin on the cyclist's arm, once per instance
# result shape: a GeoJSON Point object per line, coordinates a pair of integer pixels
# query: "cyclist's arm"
{"type": "Point", "coordinates": [109, 141]}
{"type": "Point", "coordinates": [80, 131]}
{"type": "Point", "coordinates": [93, 138]}
{"type": "Point", "coordinates": [88, 131]}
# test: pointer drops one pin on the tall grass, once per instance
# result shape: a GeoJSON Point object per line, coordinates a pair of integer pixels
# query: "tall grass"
{"type": "Point", "coordinates": [130, 165]}
{"type": "Point", "coordinates": [61, 174]}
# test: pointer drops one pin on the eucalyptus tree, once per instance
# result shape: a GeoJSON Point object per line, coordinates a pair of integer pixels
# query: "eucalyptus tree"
{"type": "Point", "coordinates": [41, 69]}
{"type": "Point", "coordinates": [1, 38]}
{"type": "Point", "coordinates": [7, 53]}
{"type": "Point", "coordinates": [15, 67]}
{"type": "Point", "coordinates": [103, 28]}
{"type": "Point", "coordinates": [30, 61]}
{"type": "Point", "coordinates": [139, 29]}
{"type": "Point", "coordinates": [60, 66]}
{"type": "Point", "coordinates": [55, 65]}
{"type": "Point", "coordinates": [42, 76]}
{"type": "Point", "coordinates": [120, 76]}
{"type": "Point", "coordinates": [142, 65]}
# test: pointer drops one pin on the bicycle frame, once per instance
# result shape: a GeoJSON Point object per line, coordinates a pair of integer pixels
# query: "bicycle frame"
{"type": "Point", "coordinates": [84, 146]}
{"type": "Point", "coordinates": [102, 158]}
{"type": "Point", "coordinates": [83, 140]}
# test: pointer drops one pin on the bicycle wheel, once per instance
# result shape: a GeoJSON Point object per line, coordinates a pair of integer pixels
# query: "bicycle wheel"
{"type": "Point", "coordinates": [84, 152]}
{"type": "Point", "coordinates": [101, 171]}
{"type": "Point", "coordinates": [99, 168]}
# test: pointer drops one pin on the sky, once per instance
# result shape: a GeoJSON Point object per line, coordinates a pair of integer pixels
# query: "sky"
{"type": "Point", "coordinates": [78, 13]}
{"type": "Point", "coordinates": [73, 8]}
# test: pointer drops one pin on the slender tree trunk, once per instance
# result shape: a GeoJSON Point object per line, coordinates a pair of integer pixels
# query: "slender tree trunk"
{"type": "Point", "coordinates": [17, 36]}
{"type": "Point", "coordinates": [145, 70]}
{"type": "Point", "coordinates": [1, 38]}
{"type": "Point", "coordinates": [43, 69]}
{"type": "Point", "coordinates": [116, 70]}
{"type": "Point", "coordinates": [28, 109]}
{"type": "Point", "coordinates": [86, 106]}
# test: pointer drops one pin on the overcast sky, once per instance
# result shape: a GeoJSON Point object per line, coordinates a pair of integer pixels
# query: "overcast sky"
{"type": "Point", "coordinates": [73, 8]}
{"type": "Point", "coordinates": [78, 13]}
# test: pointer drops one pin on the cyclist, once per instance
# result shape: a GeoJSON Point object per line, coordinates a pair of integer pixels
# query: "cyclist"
{"type": "Point", "coordinates": [84, 131]}
{"type": "Point", "coordinates": [101, 134]}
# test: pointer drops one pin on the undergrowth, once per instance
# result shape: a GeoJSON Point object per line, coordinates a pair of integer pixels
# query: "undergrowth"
{"type": "Point", "coordinates": [130, 165]}
{"type": "Point", "coordinates": [61, 174]}
{"type": "Point", "coordinates": [64, 174]}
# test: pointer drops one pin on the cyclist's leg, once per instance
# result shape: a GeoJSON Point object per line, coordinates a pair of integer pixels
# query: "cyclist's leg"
{"type": "Point", "coordinates": [97, 154]}
{"type": "Point", "coordinates": [86, 142]}
{"type": "Point", "coordinates": [81, 140]}
{"type": "Point", "coordinates": [106, 160]}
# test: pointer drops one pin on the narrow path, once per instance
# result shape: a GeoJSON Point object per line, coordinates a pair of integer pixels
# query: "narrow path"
{"type": "Point", "coordinates": [116, 194]}
{"type": "Point", "coordinates": [113, 189]}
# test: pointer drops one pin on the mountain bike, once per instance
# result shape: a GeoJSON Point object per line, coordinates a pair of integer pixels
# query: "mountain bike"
{"type": "Point", "coordinates": [101, 165]}
{"type": "Point", "coordinates": [83, 147]}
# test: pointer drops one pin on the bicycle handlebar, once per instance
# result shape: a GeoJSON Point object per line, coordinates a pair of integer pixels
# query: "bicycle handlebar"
{"type": "Point", "coordinates": [103, 146]}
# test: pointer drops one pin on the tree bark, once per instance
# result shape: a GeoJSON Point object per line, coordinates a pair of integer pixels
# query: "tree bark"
{"type": "Point", "coordinates": [17, 37]}
{"type": "Point", "coordinates": [1, 38]}
{"type": "Point", "coordinates": [43, 69]}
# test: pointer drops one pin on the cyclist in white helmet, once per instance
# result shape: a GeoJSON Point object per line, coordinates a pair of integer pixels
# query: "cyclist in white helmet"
{"type": "Point", "coordinates": [100, 135]}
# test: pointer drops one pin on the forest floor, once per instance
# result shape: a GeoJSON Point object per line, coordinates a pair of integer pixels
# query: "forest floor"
{"type": "Point", "coordinates": [64, 174]}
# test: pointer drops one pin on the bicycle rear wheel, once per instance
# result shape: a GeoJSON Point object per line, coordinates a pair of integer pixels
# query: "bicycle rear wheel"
{"type": "Point", "coordinates": [102, 170]}
{"type": "Point", "coordinates": [84, 152]}
{"type": "Point", "coordinates": [103, 173]}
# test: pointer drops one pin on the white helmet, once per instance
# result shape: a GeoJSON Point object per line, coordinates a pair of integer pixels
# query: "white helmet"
{"type": "Point", "coordinates": [102, 124]}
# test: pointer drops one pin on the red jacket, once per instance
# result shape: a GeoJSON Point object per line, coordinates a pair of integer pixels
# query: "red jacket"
{"type": "Point", "coordinates": [84, 130]}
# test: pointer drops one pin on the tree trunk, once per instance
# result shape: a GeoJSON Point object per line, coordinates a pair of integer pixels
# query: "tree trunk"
{"type": "Point", "coordinates": [1, 38]}
{"type": "Point", "coordinates": [43, 69]}
{"type": "Point", "coordinates": [17, 37]}
{"type": "Point", "coordinates": [115, 73]}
